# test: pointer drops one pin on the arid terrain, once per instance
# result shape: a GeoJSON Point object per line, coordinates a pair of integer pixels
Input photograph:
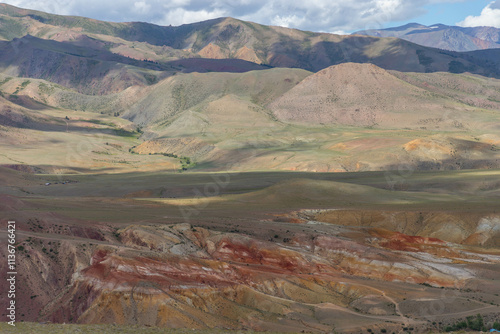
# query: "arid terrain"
{"type": "Point", "coordinates": [262, 251]}
{"type": "Point", "coordinates": [229, 176]}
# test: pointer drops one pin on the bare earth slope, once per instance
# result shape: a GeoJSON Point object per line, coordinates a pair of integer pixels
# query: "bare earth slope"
{"type": "Point", "coordinates": [357, 94]}
{"type": "Point", "coordinates": [366, 95]}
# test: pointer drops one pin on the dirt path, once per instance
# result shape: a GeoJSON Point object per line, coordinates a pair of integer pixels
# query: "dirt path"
{"type": "Point", "coordinates": [395, 319]}
{"type": "Point", "coordinates": [403, 319]}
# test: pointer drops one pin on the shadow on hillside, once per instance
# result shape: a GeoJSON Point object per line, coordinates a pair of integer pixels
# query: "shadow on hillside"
{"type": "Point", "coordinates": [202, 65]}
{"type": "Point", "coordinates": [395, 54]}
{"type": "Point", "coordinates": [22, 51]}
{"type": "Point", "coordinates": [28, 122]}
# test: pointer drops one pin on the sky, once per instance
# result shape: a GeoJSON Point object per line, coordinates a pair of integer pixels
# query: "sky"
{"type": "Point", "coordinates": [334, 16]}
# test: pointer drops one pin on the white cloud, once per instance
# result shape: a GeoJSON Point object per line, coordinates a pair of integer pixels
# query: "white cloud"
{"type": "Point", "coordinates": [59, 6]}
{"type": "Point", "coordinates": [286, 21]}
{"type": "Point", "coordinates": [490, 16]}
{"type": "Point", "coordinates": [142, 7]}
{"type": "Point", "coordinates": [180, 16]}
{"type": "Point", "coordinates": [314, 15]}
{"type": "Point", "coordinates": [339, 32]}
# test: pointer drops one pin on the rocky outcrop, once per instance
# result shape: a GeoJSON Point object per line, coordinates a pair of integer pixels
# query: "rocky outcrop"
{"type": "Point", "coordinates": [185, 276]}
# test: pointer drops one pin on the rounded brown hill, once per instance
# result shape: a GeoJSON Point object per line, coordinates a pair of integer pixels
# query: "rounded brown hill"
{"type": "Point", "coordinates": [359, 94]}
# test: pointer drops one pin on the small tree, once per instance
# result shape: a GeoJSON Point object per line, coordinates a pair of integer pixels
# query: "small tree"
{"type": "Point", "coordinates": [476, 324]}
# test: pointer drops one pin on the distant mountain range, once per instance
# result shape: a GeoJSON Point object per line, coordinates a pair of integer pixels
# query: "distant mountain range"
{"type": "Point", "coordinates": [441, 36]}
{"type": "Point", "coordinates": [163, 47]}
